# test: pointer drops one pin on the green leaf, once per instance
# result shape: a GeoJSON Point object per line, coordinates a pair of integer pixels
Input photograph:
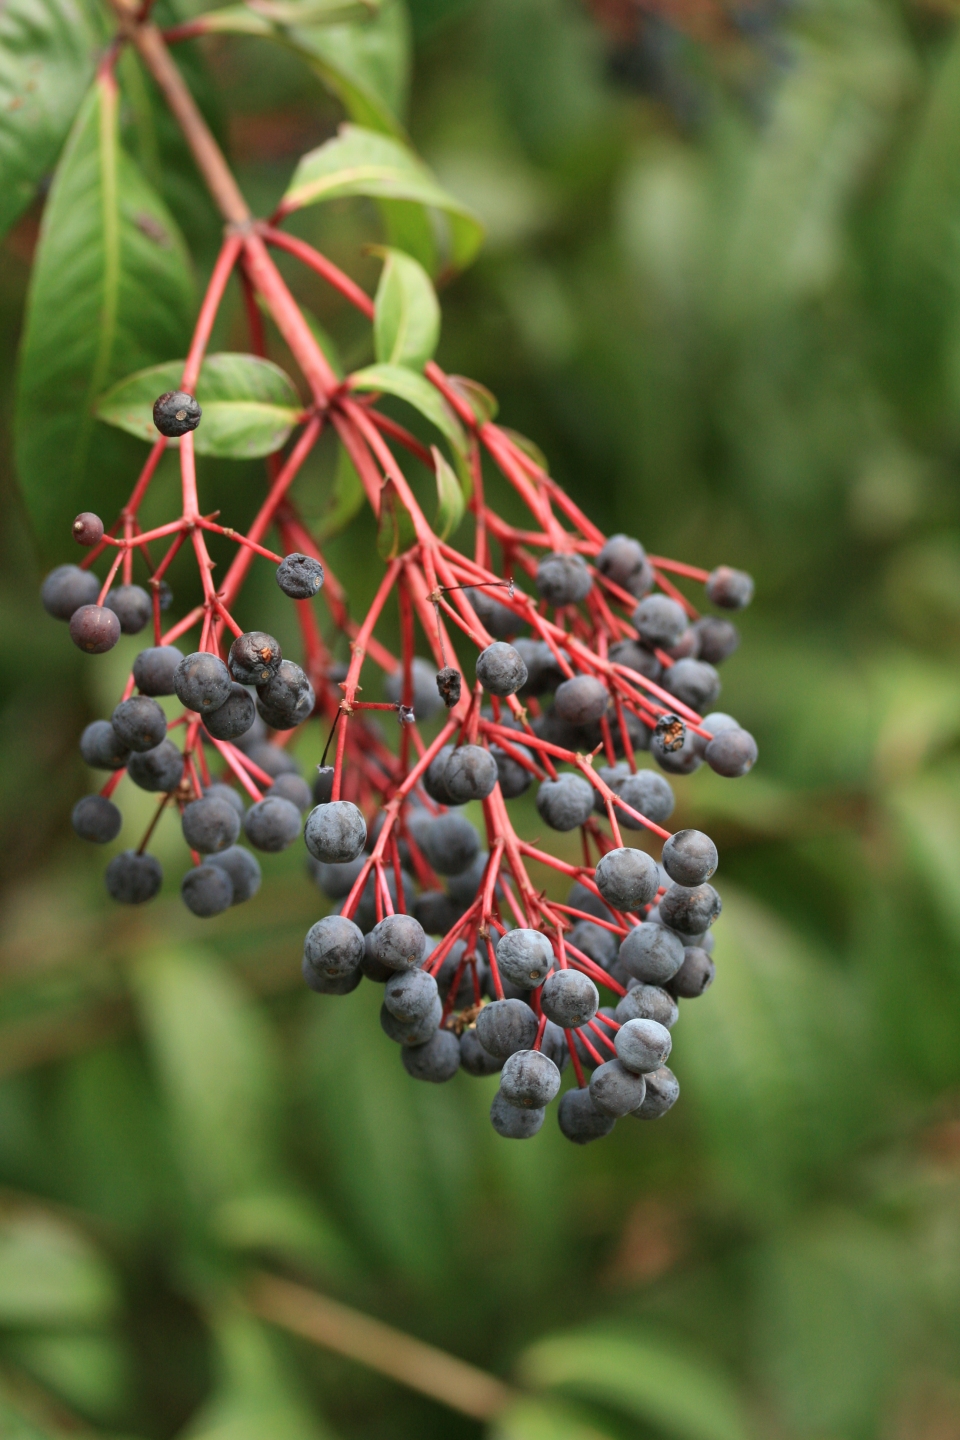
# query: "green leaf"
{"type": "Point", "coordinates": [659, 1384]}
{"type": "Point", "coordinates": [451, 507]}
{"type": "Point", "coordinates": [406, 321]}
{"type": "Point", "coordinates": [89, 1371]}
{"type": "Point", "coordinates": [360, 162]}
{"type": "Point", "coordinates": [365, 64]}
{"type": "Point", "coordinates": [528, 447]}
{"type": "Point", "coordinates": [249, 405]}
{"type": "Point", "coordinates": [531, 1419]}
{"type": "Point", "coordinates": [416, 391]}
{"type": "Point", "coordinates": [216, 1063]}
{"type": "Point", "coordinates": [348, 496]}
{"type": "Point", "coordinates": [49, 1272]}
{"type": "Point", "coordinates": [256, 1395]}
{"type": "Point", "coordinates": [111, 292]}
{"type": "Point", "coordinates": [395, 527]}
{"type": "Point", "coordinates": [47, 55]}
{"type": "Point", "coordinates": [482, 401]}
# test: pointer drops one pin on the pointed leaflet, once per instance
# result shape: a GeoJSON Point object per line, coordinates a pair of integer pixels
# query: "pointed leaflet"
{"type": "Point", "coordinates": [416, 391]}
{"type": "Point", "coordinates": [406, 321]}
{"type": "Point", "coordinates": [111, 292]}
{"type": "Point", "coordinates": [361, 162]}
{"type": "Point", "coordinates": [47, 53]}
{"type": "Point", "coordinates": [249, 405]}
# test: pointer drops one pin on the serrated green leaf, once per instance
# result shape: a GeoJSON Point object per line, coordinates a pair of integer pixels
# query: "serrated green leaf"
{"type": "Point", "coordinates": [531, 1419]}
{"type": "Point", "coordinates": [660, 1384]}
{"type": "Point", "coordinates": [47, 56]}
{"type": "Point", "coordinates": [347, 498]}
{"type": "Point", "coordinates": [249, 405]}
{"type": "Point", "coordinates": [217, 1067]}
{"type": "Point", "coordinates": [360, 162]}
{"type": "Point", "coordinates": [406, 321]}
{"type": "Point", "coordinates": [395, 528]}
{"type": "Point", "coordinates": [416, 391]}
{"type": "Point", "coordinates": [451, 505]}
{"type": "Point", "coordinates": [49, 1272]}
{"type": "Point", "coordinates": [111, 292]}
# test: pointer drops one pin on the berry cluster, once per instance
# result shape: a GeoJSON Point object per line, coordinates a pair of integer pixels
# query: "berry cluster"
{"type": "Point", "coordinates": [586, 656]}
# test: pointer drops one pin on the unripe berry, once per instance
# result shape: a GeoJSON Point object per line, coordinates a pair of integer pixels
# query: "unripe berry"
{"type": "Point", "coordinates": [87, 529]}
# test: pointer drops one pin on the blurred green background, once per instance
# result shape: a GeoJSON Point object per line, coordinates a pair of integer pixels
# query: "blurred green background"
{"type": "Point", "coordinates": [721, 289]}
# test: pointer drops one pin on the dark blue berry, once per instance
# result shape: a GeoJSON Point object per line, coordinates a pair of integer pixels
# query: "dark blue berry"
{"type": "Point", "coordinates": [175, 413]}
{"type": "Point", "coordinates": [94, 629]}
{"type": "Point", "coordinates": [66, 589]}
{"type": "Point", "coordinates": [96, 818]}
{"type": "Point", "coordinates": [132, 878]}
{"type": "Point", "coordinates": [299, 576]}
{"type": "Point", "coordinates": [154, 669]}
{"type": "Point", "coordinates": [207, 890]}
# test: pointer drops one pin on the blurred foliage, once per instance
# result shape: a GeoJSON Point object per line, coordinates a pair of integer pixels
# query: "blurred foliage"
{"type": "Point", "coordinates": [721, 288]}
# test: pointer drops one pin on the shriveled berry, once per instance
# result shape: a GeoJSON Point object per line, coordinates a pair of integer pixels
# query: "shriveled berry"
{"type": "Point", "coordinates": [731, 753]}
{"type": "Point", "coordinates": [449, 685]}
{"type": "Point", "coordinates": [690, 910]}
{"type": "Point", "coordinates": [102, 748]}
{"type": "Point", "coordinates": [209, 824]}
{"type": "Point", "coordinates": [694, 682]}
{"type": "Point", "coordinates": [676, 758]}
{"type": "Point", "coordinates": [88, 529]}
{"type": "Point", "coordinates": [207, 890]}
{"type": "Point", "coordinates": [333, 947]}
{"type": "Point", "coordinates": [399, 942]}
{"type": "Point", "coordinates": [580, 1120]}
{"type": "Point", "coordinates": [500, 669]}
{"type": "Point", "coordinates": [154, 669]}
{"type": "Point", "coordinates": [662, 1091]}
{"type": "Point", "coordinates": [254, 658]}
{"type": "Point", "coordinates": [505, 1026]}
{"type": "Point", "coordinates": [285, 695]}
{"type": "Point", "coordinates": [436, 1061]}
{"type": "Point", "coordinates": [695, 975]}
{"type": "Point", "coordinates": [295, 789]}
{"type": "Point", "coordinates": [450, 843]}
{"type": "Point", "coordinates": [730, 589]}
{"type": "Point", "coordinates": [513, 1123]}
{"type": "Point", "coordinates": [529, 1079]}
{"type": "Point", "coordinates": [132, 606]}
{"type": "Point", "coordinates": [426, 701]}
{"type": "Point", "coordinates": [299, 576]}
{"type": "Point", "coordinates": [96, 818]}
{"type": "Point", "coordinates": [648, 1002]}
{"type": "Point", "coordinates": [242, 867]}
{"type": "Point", "coordinates": [66, 589]}
{"type": "Point", "coordinates": [620, 559]}
{"type": "Point", "coordinates": [202, 681]}
{"type": "Point", "coordinates": [615, 1090]}
{"type": "Point", "coordinates": [159, 769]}
{"type": "Point", "coordinates": [563, 579]}
{"type": "Point", "coordinates": [652, 953]}
{"type": "Point", "coordinates": [642, 1045]}
{"type": "Point", "coordinates": [234, 717]}
{"type": "Point", "coordinates": [525, 957]}
{"type": "Point", "coordinates": [718, 638]}
{"type": "Point", "coordinates": [566, 802]}
{"type": "Point", "coordinates": [175, 413]}
{"type": "Point", "coordinates": [139, 722]}
{"type": "Point", "coordinates": [582, 700]}
{"type": "Point", "coordinates": [132, 878]}
{"type": "Point", "coordinates": [94, 629]}
{"type": "Point", "coordinates": [627, 878]}
{"type": "Point", "coordinates": [689, 857]}
{"type": "Point", "coordinates": [474, 1059]}
{"type": "Point", "coordinates": [470, 774]}
{"type": "Point", "coordinates": [660, 621]}
{"type": "Point", "coordinates": [335, 833]}
{"type": "Point", "coordinates": [272, 824]}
